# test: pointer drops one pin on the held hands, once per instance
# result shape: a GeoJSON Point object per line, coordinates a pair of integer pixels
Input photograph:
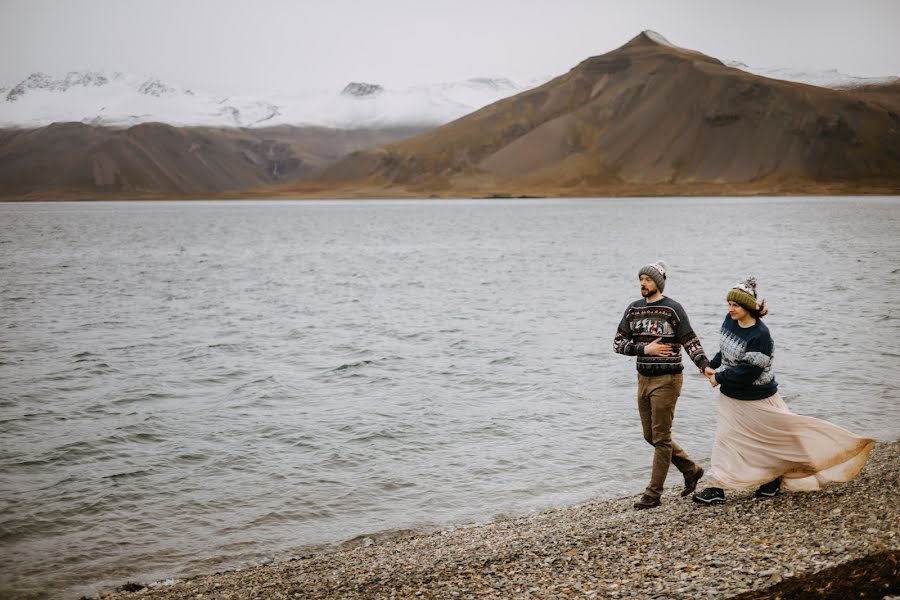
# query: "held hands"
{"type": "Point", "coordinates": [711, 375]}
{"type": "Point", "coordinates": [655, 348]}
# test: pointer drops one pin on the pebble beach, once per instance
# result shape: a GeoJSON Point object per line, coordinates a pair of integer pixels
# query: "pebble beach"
{"type": "Point", "coordinates": [845, 535]}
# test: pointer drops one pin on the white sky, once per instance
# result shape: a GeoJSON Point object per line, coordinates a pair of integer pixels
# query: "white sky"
{"type": "Point", "coordinates": [265, 46]}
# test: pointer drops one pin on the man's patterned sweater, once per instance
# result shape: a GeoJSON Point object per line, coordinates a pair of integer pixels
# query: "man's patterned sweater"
{"type": "Point", "coordinates": [666, 319]}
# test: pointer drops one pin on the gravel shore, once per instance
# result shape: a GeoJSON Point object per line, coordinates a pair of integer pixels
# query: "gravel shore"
{"type": "Point", "coordinates": [607, 549]}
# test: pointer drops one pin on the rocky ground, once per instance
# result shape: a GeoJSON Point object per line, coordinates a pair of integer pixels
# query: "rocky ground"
{"type": "Point", "coordinates": [842, 542]}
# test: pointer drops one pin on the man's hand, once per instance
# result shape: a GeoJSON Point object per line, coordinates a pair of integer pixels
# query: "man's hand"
{"type": "Point", "coordinates": [709, 371]}
{"type": "Point", "coordinates": [711, 375]}
{"type": "Point", "coordinates": [655, 348]}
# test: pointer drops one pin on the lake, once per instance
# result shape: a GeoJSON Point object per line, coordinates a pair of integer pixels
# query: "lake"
{"type": "Point", "coordinates": [196, 386]}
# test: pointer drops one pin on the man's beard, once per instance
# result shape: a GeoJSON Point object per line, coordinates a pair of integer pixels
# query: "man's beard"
{"type": "Point", "coordinates": [645, 292]}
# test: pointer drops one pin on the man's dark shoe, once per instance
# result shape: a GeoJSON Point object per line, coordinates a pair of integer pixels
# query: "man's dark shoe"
{"type": "Point", "coordinates": [690, 482]}
{"type": "Point", "coordinates": [710, 496]}
{"type": "Point", "coordinates": [768, 490]}
{"type": "Point", "coordinates": [647, 502]}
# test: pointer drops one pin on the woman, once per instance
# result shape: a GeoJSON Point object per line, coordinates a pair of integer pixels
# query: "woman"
{"type": "Point", "coordinates": [759, 442]}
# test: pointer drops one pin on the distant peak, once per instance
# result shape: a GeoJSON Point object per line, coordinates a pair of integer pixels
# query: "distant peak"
{"type": "Point", "coordinates": [651, 39]}
{"type": "Point", "coordinates": [657, 38]}
{"type": "Point", "coordinates": [34, 81]}
{"type": "Point", "coordinates": [156, 87]}
{"type": "Point", "coordinates": [42, 81]}
{"type": "Point", "coordinates": [359, 89]}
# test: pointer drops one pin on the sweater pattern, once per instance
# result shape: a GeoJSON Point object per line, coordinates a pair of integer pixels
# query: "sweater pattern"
{"type": "Point", "coordinates": [644, 322]}
{"type": "Point", "coordinates": [743, 363]}
{"type": "Point", "coordinates": [734, 352]}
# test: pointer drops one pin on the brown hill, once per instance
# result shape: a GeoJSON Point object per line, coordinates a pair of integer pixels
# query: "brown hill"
{"type": "Point", "coordinates": [647, 118]}
{"type": "Point", "coordinates": [75, 160]}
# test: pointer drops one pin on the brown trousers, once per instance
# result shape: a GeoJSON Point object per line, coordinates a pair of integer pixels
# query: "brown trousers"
{"type": "Point", "coordinates": [656, 402]}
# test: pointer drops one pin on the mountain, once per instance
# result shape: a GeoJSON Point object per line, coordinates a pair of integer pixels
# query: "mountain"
{"type": "Point", "coordinates": [93, 134]}
{"type": "Point", "coordinates": [829, 78]}
{"type": "Point", "coordinates": [76, 160]}
{"type": "Point", "coordinates": [647, 118]}
{"type": "Point", "coordinates": [119, 100]}
{"type": "Point", "coordinates": [99, 98]}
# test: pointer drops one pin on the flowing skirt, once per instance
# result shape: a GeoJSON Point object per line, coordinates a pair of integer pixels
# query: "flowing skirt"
{"type": "Point", "coordinates": [760, 440]}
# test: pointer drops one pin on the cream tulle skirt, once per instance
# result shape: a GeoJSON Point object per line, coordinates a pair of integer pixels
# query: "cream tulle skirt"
{"type": "Point", "coordinates": [760, 440]}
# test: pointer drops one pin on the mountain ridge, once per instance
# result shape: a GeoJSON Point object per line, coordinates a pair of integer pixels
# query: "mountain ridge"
{"type": "Point", "coordinates": [647, 113]}
{"type": "Point", "coordinates": [647, 118]}
{"type": "Point", "coordinates": [120, 100]}
{"type": "Point", "coordinates": [78, 160]}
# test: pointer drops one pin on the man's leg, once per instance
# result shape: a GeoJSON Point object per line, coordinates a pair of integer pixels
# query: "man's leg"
{"type": "Point", "coordinates": [680, 458]}
{"type": "Point", "coordinates": [645, 386]}
{"type": "Point", "coordinates": [663, 397]}
{"type": "Point", "coordinates": [643, 401]}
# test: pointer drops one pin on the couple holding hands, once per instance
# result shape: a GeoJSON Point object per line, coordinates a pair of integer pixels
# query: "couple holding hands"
{"type": "Point", "coordinates": [759, 443]}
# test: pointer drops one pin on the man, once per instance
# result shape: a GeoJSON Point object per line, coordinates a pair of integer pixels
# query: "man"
{"type": "Point", "coordinates": [654, 329]}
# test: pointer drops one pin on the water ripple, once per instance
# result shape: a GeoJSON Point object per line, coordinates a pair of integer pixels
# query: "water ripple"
{"type": "Point", "coordinates": [173, 404]}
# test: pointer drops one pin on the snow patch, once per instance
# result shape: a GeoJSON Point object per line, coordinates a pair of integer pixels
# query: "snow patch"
{"type": "Point", "coordinates": [658, 38]}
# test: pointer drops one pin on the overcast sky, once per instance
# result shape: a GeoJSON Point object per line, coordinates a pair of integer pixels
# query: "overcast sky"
{"type": "Point", "coordinates": [265, 46]}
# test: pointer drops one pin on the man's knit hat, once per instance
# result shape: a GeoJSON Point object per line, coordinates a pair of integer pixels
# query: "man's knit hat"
{"type": "Point", "coordinates": [744, 294]}
{"type": "Point", "coordinates": [657, 272]}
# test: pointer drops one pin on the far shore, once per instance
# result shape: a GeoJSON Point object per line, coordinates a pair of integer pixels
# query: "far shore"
{"type": "Point", "coordinates": [314, 191]}
{"type": "Point", "coordinates": [841, 542]}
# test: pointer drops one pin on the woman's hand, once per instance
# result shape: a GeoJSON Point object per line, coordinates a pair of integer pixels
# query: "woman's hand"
{"type": "Point", "coordinates": [709, 371]}
{"type": "Point", "coordinates": [711, 375]}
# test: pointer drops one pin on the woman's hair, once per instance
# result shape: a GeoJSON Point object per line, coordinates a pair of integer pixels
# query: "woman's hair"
{"type": "Point", "coordinates": [762, 311]}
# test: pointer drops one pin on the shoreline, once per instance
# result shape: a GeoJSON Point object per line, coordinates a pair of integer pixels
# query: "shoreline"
{"type": "Point", "coordinates": [399, 194]}
{"type": "Point", "coordinates": [607, 549]}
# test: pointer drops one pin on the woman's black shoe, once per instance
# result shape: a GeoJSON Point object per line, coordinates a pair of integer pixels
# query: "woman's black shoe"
{"type": "Point", "coordinates": [767, 490]}
{"type": "Point", "coordinates": [709, 496]}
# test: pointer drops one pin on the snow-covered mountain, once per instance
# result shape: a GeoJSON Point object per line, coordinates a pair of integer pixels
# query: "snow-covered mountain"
{"type": "Point", "coordinates": [827, 78]}
{"type": "Point", "coordinates": [116, 99]}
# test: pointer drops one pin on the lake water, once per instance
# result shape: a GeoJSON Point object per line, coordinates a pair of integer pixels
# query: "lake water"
{"type": "Point", "coordinates": [196, 386]}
